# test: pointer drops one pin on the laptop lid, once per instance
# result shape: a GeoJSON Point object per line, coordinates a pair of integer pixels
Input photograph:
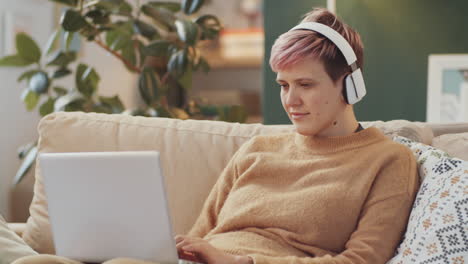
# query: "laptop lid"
{"type": "Point", "coordinates": [104, 205]}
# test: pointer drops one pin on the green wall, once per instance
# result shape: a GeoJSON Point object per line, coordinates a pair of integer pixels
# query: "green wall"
{"type": "Point", "coordinates": [398, 36]}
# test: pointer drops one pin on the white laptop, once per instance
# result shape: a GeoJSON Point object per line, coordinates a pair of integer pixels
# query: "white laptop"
{"type": "Point", "coordinates": [104, 205]}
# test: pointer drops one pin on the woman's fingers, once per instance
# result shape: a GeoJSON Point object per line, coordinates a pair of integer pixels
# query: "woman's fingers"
{"type": "Point", "coordinates": [182, 244]}
{"type": "Point", "coordinates": [182, 241]}
{"type": "Point", "coordinates": [179, 238]}
{"type": "Point", "coordinates": [197, 247]}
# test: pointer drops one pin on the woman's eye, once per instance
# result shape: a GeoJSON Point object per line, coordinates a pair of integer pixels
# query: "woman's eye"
{"type": "Point", "coordinates": [306, 85]}
{"type": "Point", "coordinates": [283, 86]}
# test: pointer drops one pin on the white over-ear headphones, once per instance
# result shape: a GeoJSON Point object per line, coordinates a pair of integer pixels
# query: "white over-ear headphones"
{"type": "Point", "coordinates": [354, 82]}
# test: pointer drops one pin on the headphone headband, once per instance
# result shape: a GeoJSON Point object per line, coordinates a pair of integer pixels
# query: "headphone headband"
{"type": "Point", "coordinates": [335, 37]}
{"type": "Point", "coordinates": [355, 89]}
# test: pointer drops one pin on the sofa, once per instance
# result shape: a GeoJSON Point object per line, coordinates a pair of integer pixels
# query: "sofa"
{"type": "Point", "coordinates": [193, 154]}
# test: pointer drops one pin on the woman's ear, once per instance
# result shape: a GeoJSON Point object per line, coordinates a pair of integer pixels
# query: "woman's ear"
{"type": "Point", "coordinates": [342, 82]}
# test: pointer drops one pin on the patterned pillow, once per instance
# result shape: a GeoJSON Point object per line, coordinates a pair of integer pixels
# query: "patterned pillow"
{"type": "Point", "coordinates": [437, 230]}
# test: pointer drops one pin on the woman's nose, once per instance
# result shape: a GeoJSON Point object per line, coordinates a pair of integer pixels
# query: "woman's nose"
{"type": "Point", "coordinates": [293, 98]}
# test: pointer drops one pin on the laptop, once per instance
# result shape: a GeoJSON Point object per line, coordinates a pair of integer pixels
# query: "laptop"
{"type": "Point", "coordinates": [105, 205]}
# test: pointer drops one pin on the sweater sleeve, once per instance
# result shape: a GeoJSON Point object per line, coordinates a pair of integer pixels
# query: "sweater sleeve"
{"type": "Point", "coordinates": [382, 221]}
{"type": "Point", "coordinates": [206, 221]}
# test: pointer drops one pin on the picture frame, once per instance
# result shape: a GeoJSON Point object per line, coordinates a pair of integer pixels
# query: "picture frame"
{"type": "Point", "coordinates": [447, 88]}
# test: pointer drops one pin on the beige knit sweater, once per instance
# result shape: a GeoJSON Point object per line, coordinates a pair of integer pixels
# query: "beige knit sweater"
{"type": "Point", "coordinates": [295, 199]}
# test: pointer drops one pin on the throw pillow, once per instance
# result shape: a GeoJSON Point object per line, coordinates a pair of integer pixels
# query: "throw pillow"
{"type": "Point", "coordinates": [12, 247]}
{"type": "Point", "coordinates": [437, 230]}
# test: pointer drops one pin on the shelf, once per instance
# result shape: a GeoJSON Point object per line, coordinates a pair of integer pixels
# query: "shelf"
{"type": "Point", "coordinates": [235, 49]}
{"type": "Point", "coordinates": [216, 60]}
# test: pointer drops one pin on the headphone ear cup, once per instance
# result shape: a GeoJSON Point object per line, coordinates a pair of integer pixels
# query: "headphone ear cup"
{"type": "Point", "coordinates": [345, 89]}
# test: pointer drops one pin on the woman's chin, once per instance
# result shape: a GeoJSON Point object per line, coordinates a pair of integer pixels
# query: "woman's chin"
{"type": "Point", "coordinates": [305, 131]}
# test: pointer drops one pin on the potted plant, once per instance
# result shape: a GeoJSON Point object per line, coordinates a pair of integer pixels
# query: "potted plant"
{"type": "Point", "coordinates": [157, 40]}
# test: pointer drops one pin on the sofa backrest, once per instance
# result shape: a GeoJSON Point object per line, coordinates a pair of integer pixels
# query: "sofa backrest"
{"type": "Point", "coordinates": [193, 154]}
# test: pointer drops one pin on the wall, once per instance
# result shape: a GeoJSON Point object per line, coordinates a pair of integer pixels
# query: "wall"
{"type": "Point", "coordinates": [18, 125]}
{"type": "Point", "coordinates": [398, 36]}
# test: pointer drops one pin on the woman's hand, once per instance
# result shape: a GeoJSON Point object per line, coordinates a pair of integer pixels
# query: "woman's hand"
{"type": "Point", "coordinates": [207, 252]}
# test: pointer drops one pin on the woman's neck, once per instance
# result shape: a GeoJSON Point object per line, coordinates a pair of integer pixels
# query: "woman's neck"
{"type": "Point", "coordinates": [345, 124]}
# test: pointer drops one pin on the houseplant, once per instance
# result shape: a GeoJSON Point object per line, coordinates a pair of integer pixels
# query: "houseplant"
{"type": "Point", "coordinates": [157, 40]}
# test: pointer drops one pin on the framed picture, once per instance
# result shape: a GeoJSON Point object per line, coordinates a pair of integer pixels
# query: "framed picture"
{"type": "Point", "coordinates": [447, 88]}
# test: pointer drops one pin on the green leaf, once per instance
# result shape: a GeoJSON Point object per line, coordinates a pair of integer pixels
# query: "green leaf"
{"type": "Point", "coordinates": [135, 112]}
{"type": "Point", "coordinates": [14, 61]}
{"type": "Point", "coordinates": [68, 102]}
{"type": "Point", "coordinates": [211, 26]}
{"type": "Point", "coordinates": [125, 9]}
{"type": "Point", "coordinates": [89, 32]}
{"type": "Point", "coordinates": [27, 75]}
{"type": "Point", "coordinates": [162, 112]}
{"type": "Point", "coordinates": [209, 110]}
{"type": "Point", "coordinates": [178, 63]}
{"type": "Point", "coordinates": [24, 150]}
{"type": "Point", "coordinates": [120, 36]}
{"type": "Point", "coordinates": [27, 48]}
{"type": "Point", "coordinates": [47, 107]}
{"type": "Point", "coordinates": [60, 90]}
{"type": "Point", "coordinates": [128, 52]}
{"type": "Point", "coordinates": [101, 108]}
{"type": "Point", "coordinates": [25, 165]}
{"type": "Point", "coordinates": [62, 72]}
{"type": "Point", "coordinates": [149, 86]}
{"type": "Point", "coordinates": [145, 30]}
{"type": "Point", "coordinates": [141, 51]}
{"type": "Point", "coordinates": [39, 83]}
{"type": "Point", "coordinates": [109, 4]}
{"type": "Point", "coordinates": [157, 48]}
{"type": "Point", "coordinates": [187, 31]}
{"type": "Point", "coordinates": [72, 3]}
{"type": "Point", "coordinates": [68, 36]}
{"type": "Point", "coordinates": [191, 6]}
{"type": "Point", "coordinates": [186, 79]}
{"type": "Point", "coordinates": [174, 7]}
{"type": "Point", "coordinates": [30, 98]}
{"type": "Point", "coordinates": [52, 41]}
{"type": "Point", "coordinates": [118, 7]}
{"type": "Point", "coordinates": [86, 80]}
{"type": "Point", "coordinates": [98, 16]}
{"type": "Point", "coordinates": [72, 20]}
{"type": "Point", "coordinates": [61, 59]}
{"type": "Point", "coordinates": [162, 16]}
{"type": "Point", "coordinates": [120, 42]}
{"type": "Point", "coordinates": [114, 103]}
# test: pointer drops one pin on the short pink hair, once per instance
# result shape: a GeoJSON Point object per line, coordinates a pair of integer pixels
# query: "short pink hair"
{"type": "Point", "coordinates": [293, 46]}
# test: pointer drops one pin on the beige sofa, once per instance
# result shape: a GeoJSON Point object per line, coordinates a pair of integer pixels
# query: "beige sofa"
{"type": "Point", "coordinates": [193, 153]}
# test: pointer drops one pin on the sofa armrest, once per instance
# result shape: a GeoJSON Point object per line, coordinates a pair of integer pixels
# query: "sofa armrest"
{"type": "Point", "coordinates": [18, 228]}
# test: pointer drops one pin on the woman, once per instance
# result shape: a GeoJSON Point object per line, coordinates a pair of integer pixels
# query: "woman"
{"type": "Point", "coordinates": [330, 193]}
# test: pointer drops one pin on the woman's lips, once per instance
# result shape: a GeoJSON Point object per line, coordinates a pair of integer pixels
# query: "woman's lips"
{"type": "Point", "coordinates": [297, 116]}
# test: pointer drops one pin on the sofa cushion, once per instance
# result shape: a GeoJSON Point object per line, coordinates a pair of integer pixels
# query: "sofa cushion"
{"type": "Point", "coordinates": [12, 247]}
{"type": "Point", "coordinates": [193, 154]}
{"type": "Point", "coordinates": [437, 228]}
{"type": "Point", "coordinates": [455, 145]}
{"type": "Point", "coordinates": [416, 131]}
